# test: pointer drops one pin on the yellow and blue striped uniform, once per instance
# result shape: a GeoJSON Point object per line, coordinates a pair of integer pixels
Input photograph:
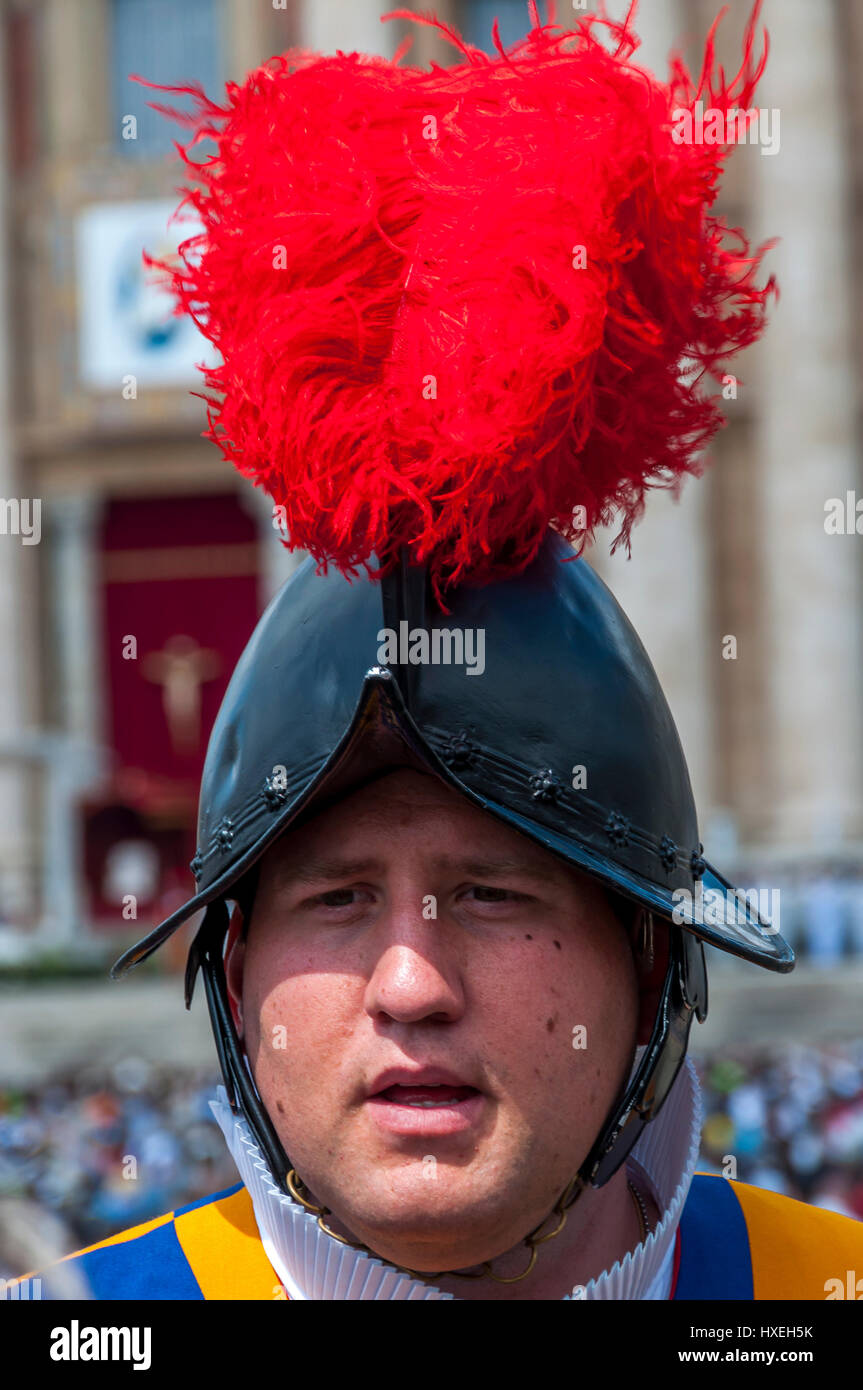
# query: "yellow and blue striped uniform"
{"type": "Point", "coordinates": [735, 1242]}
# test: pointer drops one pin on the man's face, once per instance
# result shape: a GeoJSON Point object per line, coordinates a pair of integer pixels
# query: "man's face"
{"type": "Point", "coordinates": [438, 1014]}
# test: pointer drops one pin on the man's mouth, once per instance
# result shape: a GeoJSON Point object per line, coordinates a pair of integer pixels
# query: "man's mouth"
{"type": "Point", "coordinates": [426, 1097]}
{"type": "Point", "coordinates": [430, 1103]}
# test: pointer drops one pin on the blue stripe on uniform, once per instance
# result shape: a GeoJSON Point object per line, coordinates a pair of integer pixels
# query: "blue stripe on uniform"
{"type": "Point", "coordinates": [150, 1267]}
{"type": "Point", "coordinates": [715, 1260]}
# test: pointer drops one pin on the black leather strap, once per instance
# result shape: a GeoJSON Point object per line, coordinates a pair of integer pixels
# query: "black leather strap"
{"type": "Point", "coordinates": [242, 1092]}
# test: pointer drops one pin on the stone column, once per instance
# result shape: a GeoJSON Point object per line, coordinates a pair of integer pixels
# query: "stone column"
{"type": "Point", "coordinates": [72, 758]}
{"type": "Point", "coordinates": [250, 31]}
{"type": "Point", "coordinates": [349, 25]}
{"type": "Point", "coordinates": [806, 434]}
{"type": "Point", "coordinates": [75, 112]}
{"type": "Point", "coordinates": [65, 767]}
{"type": "Point", "coordinates": [78, 652]}
{"type": "Point", "coordinates": [17, 562]}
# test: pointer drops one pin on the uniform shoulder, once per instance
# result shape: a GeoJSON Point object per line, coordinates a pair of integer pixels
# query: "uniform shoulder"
{"type": "Point", "coordinates": [799, 1251]}
{"type": "Point", "coordinates": [146, 1261]}
{"type": "Point", "coordinates": [780, 1208]}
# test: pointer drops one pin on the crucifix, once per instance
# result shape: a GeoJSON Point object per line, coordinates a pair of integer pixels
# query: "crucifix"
{"type": "Point", "coordinates": [181, 668]}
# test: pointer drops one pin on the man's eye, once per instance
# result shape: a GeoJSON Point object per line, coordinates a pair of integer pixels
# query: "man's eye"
{"type": "Point", "coordinates": [484, 894]}
{"type": "Point", "coordinates": [338, 897]}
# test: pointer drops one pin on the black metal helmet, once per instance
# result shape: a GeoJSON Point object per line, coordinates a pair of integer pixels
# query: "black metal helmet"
{"type": "Point", "coordinates": [564, 735]}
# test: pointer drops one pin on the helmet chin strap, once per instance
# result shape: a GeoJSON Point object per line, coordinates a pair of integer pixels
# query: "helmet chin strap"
{"type": "Point", "coordinates": [683, 996]}
{"type": "Point", "coordinates": [243, 1097]}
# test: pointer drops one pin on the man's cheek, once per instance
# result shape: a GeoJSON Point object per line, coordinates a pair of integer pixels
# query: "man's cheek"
{"type": "Point", "coordinates": [268, 1033]}
{"type": "Point", "coordinates": [277, 1028]}
{"type": "Point", "coordinates": [292, 1034]}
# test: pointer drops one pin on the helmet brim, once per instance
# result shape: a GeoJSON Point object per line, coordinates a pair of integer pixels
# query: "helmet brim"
{"type": "Point", "coordinates": [382, 736]}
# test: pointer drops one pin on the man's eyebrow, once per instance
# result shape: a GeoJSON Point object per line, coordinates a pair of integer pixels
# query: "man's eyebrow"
{"type": "Point", "coordinates": [333, 869]}
{"type": "Point", "coordinates": [329, 870]}
{"type": "Point", "coordinates": [500, 868]}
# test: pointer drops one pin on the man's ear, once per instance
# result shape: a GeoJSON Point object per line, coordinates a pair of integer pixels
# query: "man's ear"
{"type": "Point", "coordinates": [235, 959]}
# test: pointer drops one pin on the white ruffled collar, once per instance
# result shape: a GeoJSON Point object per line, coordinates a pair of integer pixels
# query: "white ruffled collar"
{"type": "Point", "coordinates": [313, 1266]}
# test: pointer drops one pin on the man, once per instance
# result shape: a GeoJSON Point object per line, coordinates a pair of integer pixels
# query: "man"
{"type": "Point", "coordinates": [455, 898]}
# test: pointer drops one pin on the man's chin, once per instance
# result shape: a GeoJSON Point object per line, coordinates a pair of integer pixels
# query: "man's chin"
{"type": "Point", "coordinates": [426, 1231]}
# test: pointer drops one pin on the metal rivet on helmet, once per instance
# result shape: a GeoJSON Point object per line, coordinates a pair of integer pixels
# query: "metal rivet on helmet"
{"type": "Point", "coordinates": [225, 833]}
{"type": "Point", "coordinates": [197, 864]}
{"type": "Point", "coordinates": [668, 852]}
{"type": "Point", "coordinates": [459, 752]}
{"type": "Point", "coordinates": [274, 794]}
{"type": "Point", "coordinates": [617, 828]}
{"type": "Point", "coordinates": [697, 863]}
{"type": "Point", "coordinates": [545, 786]}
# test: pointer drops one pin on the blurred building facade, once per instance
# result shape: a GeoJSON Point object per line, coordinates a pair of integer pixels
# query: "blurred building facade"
{"type": "Point", "coordinates": [121, 620]}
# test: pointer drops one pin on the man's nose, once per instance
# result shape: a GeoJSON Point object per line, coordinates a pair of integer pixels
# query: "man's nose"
{"type": "Point", "coordinates": [415, 973]}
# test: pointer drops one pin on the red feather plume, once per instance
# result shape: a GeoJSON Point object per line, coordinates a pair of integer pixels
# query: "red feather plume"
{"type": "Point", "coordinates": [415, 351]}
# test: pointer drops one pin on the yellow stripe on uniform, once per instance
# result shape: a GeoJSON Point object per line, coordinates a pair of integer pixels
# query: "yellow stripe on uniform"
{"type": "Point", "coordinates": [223, 1247]}
{"type": "Point", "coordinates": [797, 1250]}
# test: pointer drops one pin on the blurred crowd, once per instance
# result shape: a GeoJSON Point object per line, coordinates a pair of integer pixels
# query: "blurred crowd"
{"type": "Point", "coordinates": [86, 1156]}
{"type": "Point", "coordinates": [94, 1154]}
{"type": "Point", "coordinates": [788, 1119]}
